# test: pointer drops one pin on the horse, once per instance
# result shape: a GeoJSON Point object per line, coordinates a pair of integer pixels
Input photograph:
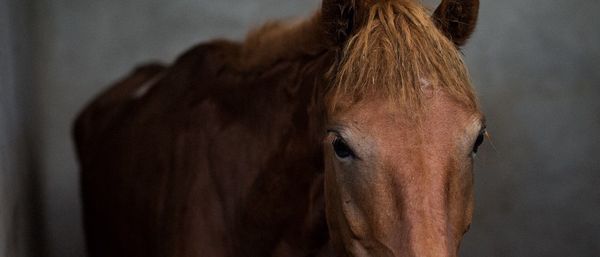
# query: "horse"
{"type": "Point", "coordinates": [349, 133]}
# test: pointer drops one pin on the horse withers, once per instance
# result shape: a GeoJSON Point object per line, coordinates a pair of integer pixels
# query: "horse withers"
{"type": "Point", "coordinates": [351, 133]}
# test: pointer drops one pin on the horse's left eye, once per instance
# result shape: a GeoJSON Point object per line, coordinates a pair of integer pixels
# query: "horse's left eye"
{"type": "Point", "coordinates": [479, 141]}
{"type": "Point", "coordinates": [342, 150]}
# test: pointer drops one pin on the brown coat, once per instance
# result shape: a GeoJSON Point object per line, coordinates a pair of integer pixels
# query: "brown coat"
{"type": "Point", "coordinates": [210, 161]}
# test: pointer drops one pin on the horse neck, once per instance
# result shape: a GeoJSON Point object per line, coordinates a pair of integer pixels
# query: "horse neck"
{"type": "Point", "coordinates": [284, 208]}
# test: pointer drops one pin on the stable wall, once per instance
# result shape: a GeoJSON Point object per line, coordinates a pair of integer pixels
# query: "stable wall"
{"type": "Point", "coordinates": [18, 205]}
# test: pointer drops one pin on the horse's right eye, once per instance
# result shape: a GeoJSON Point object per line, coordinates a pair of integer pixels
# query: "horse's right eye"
{"type": "Point", "coordinates": [341, 149]}
{"type": "Point", "coordinates": [479, 141]}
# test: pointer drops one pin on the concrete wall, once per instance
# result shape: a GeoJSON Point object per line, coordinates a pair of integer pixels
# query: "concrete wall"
{"type": "Point", "coordinates": [534, 62]}
{"type": "Point", "coordinates": [17, 179]}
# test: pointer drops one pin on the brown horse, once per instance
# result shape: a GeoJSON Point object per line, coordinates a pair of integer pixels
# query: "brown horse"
{"type": "Point", "coordinates": [351, 133]}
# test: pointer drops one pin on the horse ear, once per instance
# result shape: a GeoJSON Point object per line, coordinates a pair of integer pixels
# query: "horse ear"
{"type": "Point", "coordinates": [457, 19]}
{"type": "Point", "coordinates": [338, 17]}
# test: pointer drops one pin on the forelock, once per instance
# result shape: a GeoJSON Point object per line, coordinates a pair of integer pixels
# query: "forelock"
{"type": "Point", "coordinates": [392, 52]}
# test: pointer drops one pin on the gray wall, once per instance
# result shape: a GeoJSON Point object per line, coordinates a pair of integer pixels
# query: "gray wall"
{"type": "Point", "coordinates": [535, 64]}
{"type": "Point", "coordinates": [17, 181]}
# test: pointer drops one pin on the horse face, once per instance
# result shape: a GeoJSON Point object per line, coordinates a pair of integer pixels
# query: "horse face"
{"type": "Point", "coordinates": [399, 186]}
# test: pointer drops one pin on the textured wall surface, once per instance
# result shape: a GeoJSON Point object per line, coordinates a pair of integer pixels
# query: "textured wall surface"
{"type": "Point", "coordinates": [16, 179]}
{"type": "Point", "coordinates": [535, 64]}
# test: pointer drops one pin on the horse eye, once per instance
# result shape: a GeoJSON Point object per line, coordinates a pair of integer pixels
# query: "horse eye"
{"type": "Point", "coordinates": [342, 150]}
{"type": "Point", "coordinates": [478, 141]}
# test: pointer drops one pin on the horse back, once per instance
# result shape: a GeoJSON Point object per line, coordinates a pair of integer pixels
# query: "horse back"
{"type": "Point", "coordinates": [202, 159]}
{"type": "Point", "coordinates": [148, 179]}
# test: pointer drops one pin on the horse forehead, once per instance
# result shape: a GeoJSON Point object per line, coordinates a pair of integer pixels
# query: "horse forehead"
{"type": "Point", "coordinates": [439, 112]}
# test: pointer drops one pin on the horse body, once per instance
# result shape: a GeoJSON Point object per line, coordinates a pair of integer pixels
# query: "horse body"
{"type": "Point", "coordinates": [222, 154]}
{"type": "Point", "coordinates": [211, 167]}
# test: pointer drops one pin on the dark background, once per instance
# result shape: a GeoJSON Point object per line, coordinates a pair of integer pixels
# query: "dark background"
{"type": "Point", "coordinates": [535, 64]}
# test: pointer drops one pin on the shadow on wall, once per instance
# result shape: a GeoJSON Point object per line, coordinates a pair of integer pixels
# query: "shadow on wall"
{"type": "Point", "coordinates": [19, 187]}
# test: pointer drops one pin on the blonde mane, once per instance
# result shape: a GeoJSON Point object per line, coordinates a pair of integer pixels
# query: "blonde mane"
{"type": "Point", "coordinates": [393, 53]}
{"type": "Point", "coordinates": [396, 48]}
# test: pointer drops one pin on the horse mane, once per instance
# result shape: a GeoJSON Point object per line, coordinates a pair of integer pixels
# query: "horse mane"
{"type": "Point", "coordinates": [282, 40]}
{"type": "Point", "coordinates": [396, 49]}
{"type": "Point", "coordinates": [391, 54]}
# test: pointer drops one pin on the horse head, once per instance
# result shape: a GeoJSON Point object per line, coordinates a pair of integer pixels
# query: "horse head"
{"type": "Point", "coordinates": [403, 126]}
